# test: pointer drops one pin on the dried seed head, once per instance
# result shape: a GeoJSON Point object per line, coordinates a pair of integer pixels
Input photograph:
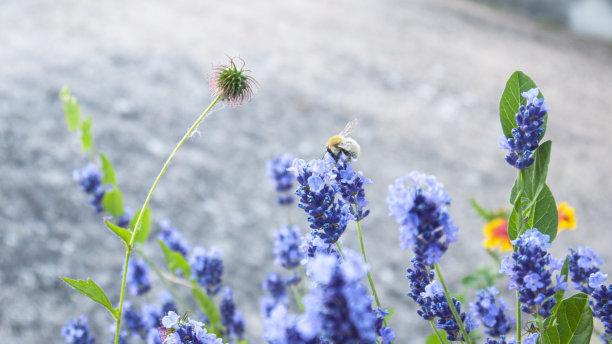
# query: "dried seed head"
{"type": "Point", "coordinates": [233, 83]}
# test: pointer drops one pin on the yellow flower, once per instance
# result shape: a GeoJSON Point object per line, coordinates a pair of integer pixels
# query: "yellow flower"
{"type": "Point", "coordinates": [496, 235]}
{"type": "Point", "coordinates": [567, 217]}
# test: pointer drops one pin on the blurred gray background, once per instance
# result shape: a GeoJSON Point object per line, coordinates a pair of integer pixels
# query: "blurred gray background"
{"type": "Point", "coordinates": [423, 77]}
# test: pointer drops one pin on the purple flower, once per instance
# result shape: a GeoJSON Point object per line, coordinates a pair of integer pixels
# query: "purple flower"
{"type": "Point", "coordinates": [582, 262]}
{"type": "Point", "coordinates": [420, 205]}
{"type": "Point", "coordinates": [601, 300]}
{"type": "Point", "coordinates": [176, 330]}
{"type": "Point", "coordinates": [283, 327]}
{"type": "Point", "coordinates": [172, 238]}
{"type": "Point", "coordinates": [351, 187]}
{"type": "Point", "coordinates": [207, 269]}
{"type": "Point", "coordinates": [530, 127]}
{"type": "Point", "coordinates": [492, 312]}
{"type": "Point", "coordinates": [90, 180]}
{"type": "Point", "coordinates": [386, 333]}
{"type": "Point", "coordinates": [76, 331]}
{"type": "Point", "coordinates": [133, 319]}
{"type": "Point", "coordinates": [138, 279]}
{"type": "Point", "coordinates": [231, 319]}
{"type": "Point", "coordinates": [282, 177]}
{"type": "Point", "coordinates": [287, 241]}
{"type": "Point", "coordinates": [530, 269]}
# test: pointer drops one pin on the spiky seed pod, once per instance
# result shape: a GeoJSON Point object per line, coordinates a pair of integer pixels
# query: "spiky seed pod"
{"type": "Point", "coordinates": [232, 83]}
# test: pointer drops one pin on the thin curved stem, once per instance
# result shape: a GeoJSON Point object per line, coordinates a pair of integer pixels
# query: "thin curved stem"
{"type": "Point", "coordinates": [365, 259]}
{"type": "Point", "coordinates": [451, 305]}
{"type": "Point", "coordinates": [339, 249]}
{"type": "Point", "coordinates": [518, 319]}
{"type": "Point", "coordinates": [138, 223]}
{"type": "Point", "coordinates": [164, 278]}
{"type": "Point", "coordinates": [433, 327]}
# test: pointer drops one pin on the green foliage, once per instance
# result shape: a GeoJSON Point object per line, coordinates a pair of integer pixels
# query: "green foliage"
{"type": "Point", "coordinates": [433, 338]}
{"type": "Point", "coordinates": [572, 322]}
{"type": "Point", "coordinates": [87, 140]}
{"type": "Point", "coordinates": [145, 225]}
{"type": "Point", "coordinates": [108, 172]}
{"type": "Point", "coordinates": [72, 111]}
{"type": "Point", "coordinates": [175, 260]}
{"type": "Point", "coordinates": [486, 214]}
{"type": "Point", "coordinates": [113, 202]}
{"type": "Point", "coordinates": [121, 232]}
{"type": "Point", "coordinates": [90, 289]}
{"type": "Point", "coordinates": [480, 278]}
{"type": "Point", "coordinates": [560, 293]}
{"type": "Point", "coordinates": [511, 100]}
{"type": "Point", "coordinates": [534, 204]}
{"type": "Point", "coordinates": [208, 307]}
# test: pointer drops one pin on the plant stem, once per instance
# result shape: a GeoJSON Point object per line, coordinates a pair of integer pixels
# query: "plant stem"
{"type": "Point", "coordinates": [433, 327]}
{"type": "Point", "coordinates": [298, 298]}
{"type": "Point", "coordinates": [166, 280]}
{"type": "Point", "coordinates": [138, 223]}
{"type": "Point", "coordinates": [339, 249]}
{"type": "Point", "coordinates": [518, 319]}
{"type": "Point", "coordinates": [451, 305]}
{"type": "Point", "coordinates": [365, 259]}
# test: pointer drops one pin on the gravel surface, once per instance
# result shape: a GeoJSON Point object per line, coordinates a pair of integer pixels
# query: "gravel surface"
{"type": "Point", "coordinates": [424, 78]}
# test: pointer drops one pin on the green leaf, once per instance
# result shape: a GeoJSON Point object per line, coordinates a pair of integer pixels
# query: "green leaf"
{"type": "Point", "coordinates": [108, 172]}
{"type": "Point", "coordinates": [516, 189]}
{"type": "Point", "coordinates": [550, 335]}
{"type": "Point", "coordinates": [175, 260]}
{"type": "Point", "coordinates": [515, 221]}
{"type": "Point", "coordinates": [72, 111]}
{"type": "Point", "coordinates": [533, 178]}
{"type": "Point", "coordinates": [113, 202]}
{"type": "Point", "coordinates": [433, 338]}
{"type": "Point", "coordinates": [486, 215]}
{"type": "Point", "coordinates": [121, 232]}
{"type": "Point", "coordinates": [90, 289]}
{"type": "Point", "coordinates": [540, 213]}
{"type": "Point", "coordinates": [145, 225]}
{"type": "Point", "coordinates": [208, 307]}
{"type": "Point", "coordinates": [87, 135]}
{"type": "Point", "coordinates": [511, 100]}
{"type": "Point", "coordinates": [480, 278]}
{"type": "Point", "coordinates": [575, 320]}
{"type": "Point", "coordinates": [560, 293]}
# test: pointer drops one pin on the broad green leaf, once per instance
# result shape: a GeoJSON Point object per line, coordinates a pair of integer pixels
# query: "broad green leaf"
{"type": "Point", "coordinates": [113, 202]}
{"type": "Point", "coordinates": [543, 214]}
{"type": "Point", "coordinates": [550, 335]}
{"type": "Point", "coordinates": [434, 339]}
{"type": "Point", "coordinates": [175, 260]}
{"type": "Point", "coordinates": [121, 232]}
{"type": "Point", "coordinates": [87, 135]}
{"type": "Point", "coordinates": [575, 320]}
{"type": "Point", "coordinates": [511, 100]}
{"type": "Point", "coordinates": [72, 111]}
{"type": "Point", "coordinates": [108, 172]}
{"type": "Point", "coordinates": [533, 178]}
{"type": "Point", "coordinates": [208, 307]}
{"type": "Point", "coordinates": [515, 220]}
{"type": "Point", "coordinates": [145, 225]}
{"type": "Point", "coordinates": [90, 289]}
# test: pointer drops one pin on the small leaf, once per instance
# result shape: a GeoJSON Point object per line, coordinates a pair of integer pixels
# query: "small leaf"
{"type": "Point", "coordinates": [434, 339]}
{"type": "Point", "coordinates": [533, 178]}
{"type": "Point", "coordinates": [108, 172]}
{"type": "Point", "coordinates": [113, 202]}
{"type": "Point", "coordinates": [511, 100]}
{"type": "Point", "coordinates": [145, 225]}
{"type": "Point", "coordinates": [208, 307]}
{"type": "Point", "coordinates": [90, 289]}
{"type": "Point", "coordinates": [515, 221]}
{"type": "Point", "coordinates": [86, 134]}
{"type": "Point", "coordinates": [575, 320]}
{"type": "Point", "coordinates": [486, 215]}
{"type": "Point", "coordinates": [516, 189]}
{"type": "Point", "coordinates": [72, 111]}
{"type": "Point", "coordinates": [175, 261]}
{"type": "Point", "coordinates": [121, 232]}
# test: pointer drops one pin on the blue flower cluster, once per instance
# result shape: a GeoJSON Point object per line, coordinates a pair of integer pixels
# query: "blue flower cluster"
{"type": "Point", "coordinates": [530, 270]}
{"type": "Point", "coordinates": [601, 300]}
{"type": "Point", "coordinates": [138, 279]}
{"type": "Point", "coordinates": [531, 338]}
{"type": "Point", "coordinates": [76, 331]}
{"type": "Point", "coordinates": [284, 327]}
{"type": "Point", "coordinates": [328, 216]}
{"type": "Point", "coordinates": [282, 177]}
{"type": "Point", "coordinates": [582, 262]}
{"type": "Point", "coordinates": [386, 333]}
{"type": "Point", "coordinates": [429, 295]}
{"type": "Point", "coordinates": [287, 241]}
{"type": "Point", "coordinates": [491, 312]}
{"type": "Point", "coordinates": [144, 323]}
{"type": "Point", "coordinates": [172, 238]}
{"type": "Point", "coordinates": [90, 180]}
{"type": "Point", "coordinates": [276, 286]}
{"type": "Point", "coordinates": [338, 306]}
{"type": "Point", "coordinates": [526, 136]}
{"type": "Point", "coordinates": [176, 330]}
{"type": "Point", "coordinates": [351, 187]}
{"type": "Point", "coordinates": [232, 320]}
{"type": "Point", "coordinates": [207, 269]}
{"type": "Point", "coordinates": [420, 205]}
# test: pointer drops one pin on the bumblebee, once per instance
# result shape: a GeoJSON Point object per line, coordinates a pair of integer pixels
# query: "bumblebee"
{"type": "Point", "coordinates": [342, 143]}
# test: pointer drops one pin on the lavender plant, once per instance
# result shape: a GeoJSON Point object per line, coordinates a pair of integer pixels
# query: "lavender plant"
{"type": "Point", "coordinates": [317, 292]}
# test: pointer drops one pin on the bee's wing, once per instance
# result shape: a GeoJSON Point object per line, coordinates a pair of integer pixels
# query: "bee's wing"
{"type": "Point", "coordinates": [349, 127]}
